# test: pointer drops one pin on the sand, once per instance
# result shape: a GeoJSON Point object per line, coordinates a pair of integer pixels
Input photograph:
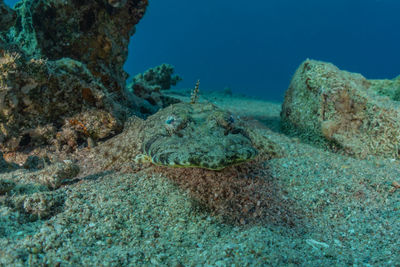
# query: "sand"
{"type": "Point", "coordinates": [348, 213]}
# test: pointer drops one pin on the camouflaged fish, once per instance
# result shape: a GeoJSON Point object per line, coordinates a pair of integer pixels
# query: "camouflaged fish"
{"type": "Point", "coordinates": [194, 135]}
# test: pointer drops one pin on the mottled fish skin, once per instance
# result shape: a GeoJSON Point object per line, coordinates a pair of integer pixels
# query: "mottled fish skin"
{"type": "Point", "coordinates": [195, 135]}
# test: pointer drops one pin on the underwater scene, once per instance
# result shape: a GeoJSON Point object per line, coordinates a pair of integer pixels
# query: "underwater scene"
{"type": "Point", "coordinates": [199, 133]}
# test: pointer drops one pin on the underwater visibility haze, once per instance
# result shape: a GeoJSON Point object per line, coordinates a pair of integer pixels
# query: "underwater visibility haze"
{"type": "Point", "coordinates": [254, 48]}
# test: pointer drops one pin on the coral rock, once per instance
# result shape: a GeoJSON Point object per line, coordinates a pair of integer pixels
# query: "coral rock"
{"type": "Point", "coordinates": [342, 109]}
{"type": "Point", "coordinates": [94, 32]}
{"type": "Point", "coordinates": [158, 78]}
{"type": "Point", "coordinates": [147, 86]}
{"type": "Point", "coordinates": [37, 97]}
{"type": "Point", "coordinates": [61, 71]}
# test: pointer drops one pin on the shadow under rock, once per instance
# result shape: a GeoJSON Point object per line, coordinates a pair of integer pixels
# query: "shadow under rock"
{"type": "Point", "coordinates": [272, 122]}
{"type": "Point", "coordinates": [238, 195]}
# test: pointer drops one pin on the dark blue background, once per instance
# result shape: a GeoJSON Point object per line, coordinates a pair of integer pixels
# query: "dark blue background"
{"type": "Point", "coordinates": [255, 46]}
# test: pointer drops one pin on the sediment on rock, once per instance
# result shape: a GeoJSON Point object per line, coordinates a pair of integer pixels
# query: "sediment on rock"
{"type": "Point", "coordinates": [344, 110]}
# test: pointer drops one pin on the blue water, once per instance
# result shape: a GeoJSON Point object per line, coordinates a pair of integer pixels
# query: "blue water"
{"type": "Point", "coordinates": [254, 47]}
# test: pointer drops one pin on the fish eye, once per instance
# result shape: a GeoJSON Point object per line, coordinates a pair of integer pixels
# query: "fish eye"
{"type": "Point", "coordinates": [170, 120]}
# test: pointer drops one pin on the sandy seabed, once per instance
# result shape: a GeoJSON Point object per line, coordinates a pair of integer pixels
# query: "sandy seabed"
{"type": "Point", "coordinates": [349, 214]}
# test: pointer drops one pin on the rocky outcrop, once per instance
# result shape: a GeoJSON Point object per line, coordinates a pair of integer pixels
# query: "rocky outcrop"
{"type": "Point", "coordinates": [94, 32]}
{"type": "Point", "coordinates": [38, 98]}
{"type": "Point", "coordinates": [344, 110]}
{"type": "Point", "coordinates": [159, 78]}
{"type": "Point", "coordinates": [61, 71]}
{"type": "Point", "coordinates": [147, 86]}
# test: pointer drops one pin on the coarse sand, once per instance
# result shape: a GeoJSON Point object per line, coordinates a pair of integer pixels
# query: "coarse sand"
{"type": "Point", "coordinates": [346, 212]}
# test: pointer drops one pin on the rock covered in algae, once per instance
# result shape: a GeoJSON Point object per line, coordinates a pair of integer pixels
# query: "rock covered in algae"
{"type": "Point", "coordinates": [94, 32]}
{"type": "Point", "coordinates": [147, 87]}
{"type": "Point", "coordinates": [37, 97]}
{"type": "Point", "coordinates": [61, 71]}
{"type": "Point", "coordinates": [195, 135]}
{"type": "Point", "coordinates": [343, 109]}
{"type": "Point", "coordinates": [158, 78]}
